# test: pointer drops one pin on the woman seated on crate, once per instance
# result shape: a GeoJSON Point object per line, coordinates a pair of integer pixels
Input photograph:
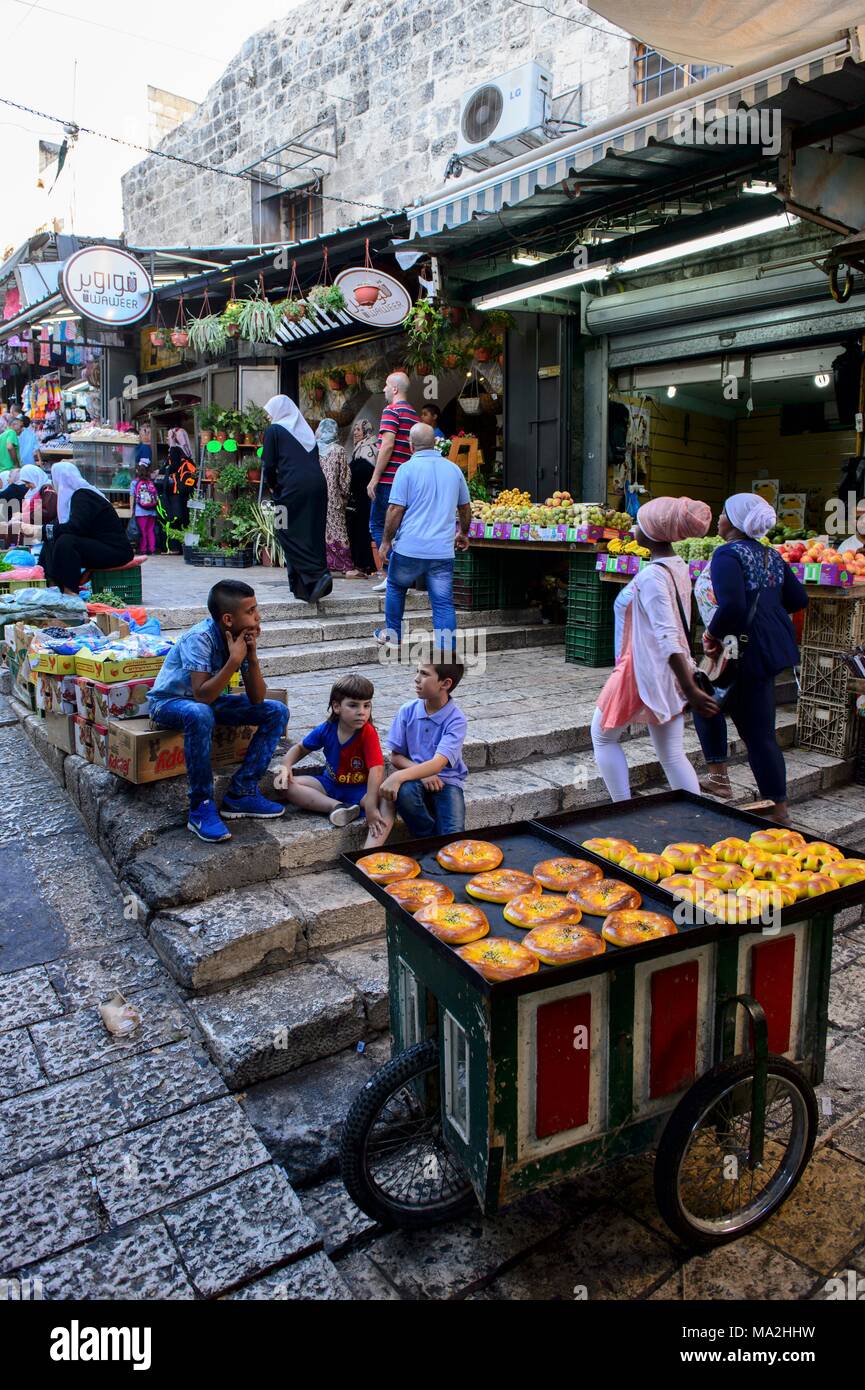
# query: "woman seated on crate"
{"type": "Point", "coordinates": [38, 506]}
{"type": "Point", "coordinates": [88, 533]}
{"type": "Point", "coordinates": [748, 590]}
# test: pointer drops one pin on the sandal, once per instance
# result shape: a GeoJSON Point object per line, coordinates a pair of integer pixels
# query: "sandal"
{"type": "Point", "coordinates": [715, 784]}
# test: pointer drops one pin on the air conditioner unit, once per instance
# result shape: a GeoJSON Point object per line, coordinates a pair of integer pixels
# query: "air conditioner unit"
{"type": "Point", "coordinates": [505, 116]}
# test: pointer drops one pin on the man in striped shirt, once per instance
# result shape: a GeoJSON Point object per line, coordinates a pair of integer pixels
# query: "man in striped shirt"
{"type": "Point", "coordinates": [394, 449]}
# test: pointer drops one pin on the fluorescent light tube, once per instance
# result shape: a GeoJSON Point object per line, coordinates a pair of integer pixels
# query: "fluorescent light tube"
{"type": "Point", "coordinates": [545, 286]}
{"type": "Point", "coordinates": [761, 227]}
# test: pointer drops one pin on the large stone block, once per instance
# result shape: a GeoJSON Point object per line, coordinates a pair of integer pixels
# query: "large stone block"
{"type": "Point", "coordinates": [19, 1065]}
{"type": "Point", "coordinates": [312, 1279]}
{"type": "Point", "coordinates": [331, 908]}
{"type": "Point", "coordinates": [46, 1210]}
{"type": "Point", "coordinates": [26, 996]}
{"type": "Point", "coordinates": [79, 1042]}
{"type": "Point", "coordinates": [180, 868]}
{"type": "Point", "coordinates": [365, 967]}
{"type": "Point", "coordinates": [52, 756]}
{"type": "Point", "coordinates": [140, 1263]}
{"type": "Point", "coordinates": [228, 936]}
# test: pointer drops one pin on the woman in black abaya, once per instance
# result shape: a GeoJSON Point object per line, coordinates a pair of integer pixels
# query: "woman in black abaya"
{"type": "Point", "coordinates": [292, 471]}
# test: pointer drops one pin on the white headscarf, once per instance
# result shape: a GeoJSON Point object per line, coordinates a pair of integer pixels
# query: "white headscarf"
{"type": "Point", "coordinates": [67, 481]}
{"type": "Point", "coordinates": [748, 512]}
{"type": "Point", "coordinates": [283, 411]}
{"type": "Point", "coordinates": [33, 476]}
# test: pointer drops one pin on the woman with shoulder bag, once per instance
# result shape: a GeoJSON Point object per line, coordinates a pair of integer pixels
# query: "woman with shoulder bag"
{"type": "Point", "coordinates": [755, 592]}
{"type": "Point", "coordinates": [654, 680]}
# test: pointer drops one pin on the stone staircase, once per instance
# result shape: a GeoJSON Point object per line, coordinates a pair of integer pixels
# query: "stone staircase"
{"type": "Point", "coordinates": [280, 952]}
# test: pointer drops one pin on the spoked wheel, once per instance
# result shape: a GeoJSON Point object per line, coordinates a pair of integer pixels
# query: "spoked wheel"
{"type": "Point", "coordinates": [395, 1163]}
{"type": "Point", "coordinates": [705, 1188]}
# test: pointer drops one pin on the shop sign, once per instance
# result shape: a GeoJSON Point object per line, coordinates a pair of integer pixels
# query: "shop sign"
{"type": "Point", "coordinates": [374, 298]}
{"type": "Point", "coordinates": [107, 286]}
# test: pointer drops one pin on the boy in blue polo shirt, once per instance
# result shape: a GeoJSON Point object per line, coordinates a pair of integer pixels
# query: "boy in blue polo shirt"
{"type": "Point", "coordinates": [188, 694]}
{"type": "Point", "coordinates": [426, 740]}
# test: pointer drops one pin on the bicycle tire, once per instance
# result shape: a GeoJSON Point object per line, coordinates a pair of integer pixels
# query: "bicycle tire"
{"type": "Point", "coordinates": [355, 1161]}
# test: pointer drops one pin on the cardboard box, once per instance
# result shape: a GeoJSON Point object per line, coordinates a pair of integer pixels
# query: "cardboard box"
{"type": "Point", "coordinates": [83, 731]}
{"type": "Point", "coordinates": [55, 694]}
{"type": "Point", "coordinates": [139, 753]}
{"type": "Point", "coordinates": [103, 702]}
{"type": "Point", "coordinates": [103, 667]}
{"type": "Point", "coordinates": [60, 730]}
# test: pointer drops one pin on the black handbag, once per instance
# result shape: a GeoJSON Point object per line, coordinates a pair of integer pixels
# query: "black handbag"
{"type": "Point", "coordinates": [133, 531]}
{"type": "Point", "coordinates": [720, 691]}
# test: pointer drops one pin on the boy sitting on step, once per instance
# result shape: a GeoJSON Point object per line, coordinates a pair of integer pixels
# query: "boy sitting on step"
{"type": "Point", "coordinates": [354, 765]}
{"type": "Point", "coordinates": [426, 741]}
{"type": "Point", "coordinates": [190, 694]}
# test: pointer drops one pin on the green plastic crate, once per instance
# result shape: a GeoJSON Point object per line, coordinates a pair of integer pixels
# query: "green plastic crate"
{"type": "Point", "coordinates": [592, 607]}
{"type": "Point", "coordinates": [126, 584]}
{"type": "Point", "coordinates": [589, 646]}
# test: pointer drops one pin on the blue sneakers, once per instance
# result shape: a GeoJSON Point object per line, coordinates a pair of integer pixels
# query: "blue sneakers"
{"type": "Point", "coordinates": [255, 805]}
{"type": "Point", "coordinates": [204, 822]}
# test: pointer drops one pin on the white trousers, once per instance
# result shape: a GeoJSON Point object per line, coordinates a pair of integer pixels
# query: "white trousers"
{"type": "Point", "coordinates": [668, 743]}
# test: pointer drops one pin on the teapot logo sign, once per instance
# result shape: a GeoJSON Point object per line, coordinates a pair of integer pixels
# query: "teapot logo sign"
{"type": "Point", "coordinates": [107, 285]}
{"type": "Point", "coordinates": [373, 297]}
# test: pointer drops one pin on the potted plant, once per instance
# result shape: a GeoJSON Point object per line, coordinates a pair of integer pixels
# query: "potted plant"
{"type": "Point", "coordinates": [257, 421]}
{"type": "Point", "coordinates": [208, 417]}
{"type": "Point", "coordinates": [221, 425]}
{"type": "Point", "coordinates": [329, 298]}
{"type": "Point", "coordinates": [231, 477]}
{"type": "Point", "coordinates": [315, 385]}
{"type": "Point", "coordinates": [351, 377]}
{"type": "Point", "coordinates": [430, 338]}
{"type": "Point", "coordinates": [500, 321]}
{"type": "Point", "coordinates": [206, 333]}
{"type": "Point", "coordinates": [157, 337]}
{"type": "Point", "coordinates": [291, 309]}
{"type": "Point", "coordinates": [335, 379]}
{"type": "Point", "coordinates": [230, 318]}
{"type": "Point", "coordinates": [180, 337]}
{"type": "Point", "coordinates": [453, 313]}
{"type": "Point", "coordinates": [258, 319]}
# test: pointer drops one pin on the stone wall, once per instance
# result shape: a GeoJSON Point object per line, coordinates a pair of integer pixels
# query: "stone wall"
{"type": "Point", "coordinates": [394, 72]}
{"type": "Point", "coordinates": [165, 112]}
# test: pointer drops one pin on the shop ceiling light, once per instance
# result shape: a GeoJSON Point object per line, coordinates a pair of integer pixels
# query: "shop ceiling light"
{"type": "Point", "coordinates": [538, 287]}
{"type": "Point", "coordinates": [762, 227]}
{"type": "Point", "coordinates": [822, 379]}
{"type": "Point", "coordinates": [671, 391]}
{"type": "Point", "coordinates": [758, 186]}
{"type": "Point", "coordinates": [526, 257]}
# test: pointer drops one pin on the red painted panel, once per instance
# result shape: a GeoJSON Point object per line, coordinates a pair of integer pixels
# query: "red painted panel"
{"type": "Point", "coordinates": [673, 1046]}
{"type": "Point", "coordinates": [772, 965]}
{"type": "Point", "coordinates": [563, 1070]}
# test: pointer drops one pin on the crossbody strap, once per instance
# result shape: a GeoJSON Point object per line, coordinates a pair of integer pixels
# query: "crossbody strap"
{"type": "Point", "coordinates": [686, 626]}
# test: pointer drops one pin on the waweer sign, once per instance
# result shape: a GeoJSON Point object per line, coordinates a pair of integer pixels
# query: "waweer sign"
{"type": "Point", "coordinates": [107, 285]}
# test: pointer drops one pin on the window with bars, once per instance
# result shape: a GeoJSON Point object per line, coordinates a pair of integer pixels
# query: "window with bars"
{"type": "Point", "coordinates": [301, 214]}
{"type": "Point", "coordinates": [656, 76]}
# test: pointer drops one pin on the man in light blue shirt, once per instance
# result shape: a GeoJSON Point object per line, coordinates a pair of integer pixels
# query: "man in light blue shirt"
{"type": "Point", "coordinates": [420, 535]}
{"type": "Point", "coordinates": [28, 444]}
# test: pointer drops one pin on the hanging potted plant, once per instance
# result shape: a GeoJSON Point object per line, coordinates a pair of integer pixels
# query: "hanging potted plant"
{"type": "Point", "coordinates": [158, 334]}
{"type": "Point", "coordinates": [230, 318]}
{"type": "Point", "coordinates": [500, 321]}
{"type": "Point", "coordinates": [258, 318]}
{"type": "Point", "coordinates": [179, 335]}
{"type": "Point", "coordinates": [328, 298]}
{"type": "Point", "coordinates": [291, 310]}
{"type": "Point", "coordinates": [205, 333]}
{"type": "Point", "coordinates": [483, 347]}
{"type": "Point", "coordinates": [430, 338]}
{"type": "Point", "coordinates": [351, 377]}
{"type": "Point", "coordinates": [335, 379]}
{"type": "Point", "coordinates": [366, 294]}
{"type": "Point", "coordinates": [453, 313]}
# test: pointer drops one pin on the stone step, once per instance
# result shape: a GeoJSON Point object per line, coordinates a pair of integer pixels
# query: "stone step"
{"type": "Point", "coordinates": [344, 655]}
{"type": "Point", "coordinates": [286, 633]}
{"type": "Point", "coordinates": [181, 616]}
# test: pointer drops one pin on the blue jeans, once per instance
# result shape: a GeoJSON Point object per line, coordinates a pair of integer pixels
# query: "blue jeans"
{"type": "Point", "coordinates": [404, 571]}
{"type": "Point", "coordinates": [197, 721]}
{"type": "Point", "coordinates": [432, 813]}
{"type": "Point", "coordinates": [378, 511]}
{"type": "Point", "coordinates": [751, 706]}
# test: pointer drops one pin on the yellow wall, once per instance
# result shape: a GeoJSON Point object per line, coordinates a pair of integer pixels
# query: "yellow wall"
{"type": "Point", "coordinates": [689, 454]}
{"type": "Point", "coordinates": [801, 462]}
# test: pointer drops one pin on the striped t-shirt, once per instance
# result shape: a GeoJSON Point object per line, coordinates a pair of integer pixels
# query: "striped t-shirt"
{"type": "Point", "coordinates": [397, 419]}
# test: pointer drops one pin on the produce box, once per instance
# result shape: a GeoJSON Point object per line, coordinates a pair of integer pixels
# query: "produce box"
{"type": "Point", "coordinates": [107, 669]}
{"type": "Point", "coordinates": [837, 576]}
{"type": "Point", "coordinates": [102, 701]}
{"type": "Point", "coordinates": [8, 586]}
{"type": "Point", "coordinates": [55, 694]}
{"type": "Point", "coordinates": [502, 530]}
{"type": "Point", "coordinates": [589, 533]}
{"type": "Point", "coordinates": [60, 730]}
{"type": "Point", "coordinates": [619, 564]}
{"type": "Point", "coordinates": [139, 753]}
{"type": "Point", "coordinates": [476, 530]}
{"type": "Point", "coordinates": [91, 741]}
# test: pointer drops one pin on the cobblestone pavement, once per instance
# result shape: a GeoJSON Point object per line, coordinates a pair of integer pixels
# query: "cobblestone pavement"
{"type": "Point", "coordinates": [127, 1170]}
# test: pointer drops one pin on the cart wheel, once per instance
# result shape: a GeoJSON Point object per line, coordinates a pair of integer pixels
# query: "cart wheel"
{"type": "Point", "coordinates": [395, 1163]}
{"type": "Point", "coordinates": [704, 1187]}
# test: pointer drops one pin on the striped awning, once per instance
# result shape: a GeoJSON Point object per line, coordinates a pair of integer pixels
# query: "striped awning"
{"type": "Point", "coordinates": [315, 323]}
{"type": "Point", "coordinates": [522, 179]}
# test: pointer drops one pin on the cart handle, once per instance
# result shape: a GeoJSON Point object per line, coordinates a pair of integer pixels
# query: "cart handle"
{"type": "Point", "coordinates": [761, 1058]}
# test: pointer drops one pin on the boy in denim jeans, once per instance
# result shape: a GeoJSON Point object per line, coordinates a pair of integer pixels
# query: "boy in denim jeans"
{"type": "Point", "coordinates": [426, 740]}
{"type": "Point", "coordinates": [188, 694]}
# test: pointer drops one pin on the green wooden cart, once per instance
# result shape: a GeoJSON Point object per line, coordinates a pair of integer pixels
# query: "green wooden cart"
{"type": "Point", "coordinates": [704, 1045]}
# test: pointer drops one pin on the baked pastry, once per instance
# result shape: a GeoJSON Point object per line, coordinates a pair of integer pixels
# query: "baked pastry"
{"type": "Point", "coordinates": [562, 874]}
{"type": "Point", "coordinates": [531, 909]}
{"type": "Point", "coordinates": [762, 897]}
{"type": "Point", "coordinates": [651, 866]}
{"type": "Point", "coordinates": [498, 958]}
{"type": "Point", "coordinates": [633, 928]}
{"type": "Point", "coordinates": [388, 868]}
{"type": "Point", "coordinates": [808, 885]}
{"type": "Point", "coordinates": [725, 905]}
{"type": "Point", "coordinates": [558, 944]}
{"type": "Point", "coordinates": [610, 849]}
{"type": "Point", "coordinates": [817, 855]}
{"type": "Point", "coordinates": [454, 923]}
{"type": "Point", "coordinates": [603, 895]}
{"type": "Point", "coordinates": [684, 857]}
{"type": "Point", "coordinates": [846, 871]}
{"type": "Point", "coordinates": [731, 850]}
{"type": "Point", "coordinates": [684, 886]}
{"type": "Point", "coordinates": [762, 863]}
{"type": "Point", "coordinates": [469, 856]}
{"type": "Point", "coordinates": [723, 875]}
{"type": "Point", "coordinates": [778, 839]}
{"type": "Point", "coordinates": [500, 885]}
{"type": "Point", "coordinates": [412, 893]}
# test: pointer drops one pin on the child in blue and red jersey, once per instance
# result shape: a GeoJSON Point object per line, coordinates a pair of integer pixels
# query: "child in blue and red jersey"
{"type": "Point", "coordinates": [354, 765]}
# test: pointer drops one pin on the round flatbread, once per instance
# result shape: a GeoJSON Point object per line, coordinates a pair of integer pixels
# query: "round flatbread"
{"type": "Point", "coordinates": [498, 958]}
{"type": "Point", "coordinates": [846, 871]}
{"type": "Point", "coordinates": [633, 928]}
{"type": "Point", "coordinates": [388, 868]}
{"type": "Point", "coordinates": [454, 923]}
{"type": "Point", "coordinates": [684, 856]}
{"type": "Point", "coordinates": [469, 856]}
{"type": "Point", "coordinates": [500, 885]}
{"type": "Point", "coordinates": [604, 895]}
{"type": "Point", "coordinates": [563, 874]}
{"type": "Point", "coordinates": [610, 849]}
{"type": "Point", "coordinates": [723, 875]}
{"type": "Point", "coordinates": [562, 945]}
{"type": "Point", "coordinates": [649, 866]}
{"type": "Point", "coordinates": [413, 893]}
{"type": "Point", "coordinates": [817, 855]}
{"type": "Point", "coordinates": [531, 909]}
{"type": "Point", "coordinates": [731, 850]}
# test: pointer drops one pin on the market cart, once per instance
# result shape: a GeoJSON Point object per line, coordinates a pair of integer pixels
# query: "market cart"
{"type": "Point", "coordinates": [705, 1045]}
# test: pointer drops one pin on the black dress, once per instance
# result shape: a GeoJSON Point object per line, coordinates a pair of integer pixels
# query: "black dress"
{"type": "Point", "coordinates": [94, 537]}
{"type": "Point", "coordinates": [293, 475]}
{"type": "Point", "coordinates": [180, 474]}
{"type": "Point", "coordinates": [357, 514]}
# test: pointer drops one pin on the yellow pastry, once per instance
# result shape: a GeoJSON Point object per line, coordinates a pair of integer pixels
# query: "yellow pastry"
{"type": "Point", "coordinates": [684, 857]}
{"type": "Point", "coordinates": [807, 885]}
{"type": "Point", "coordinates": [846, 871]}
{"type": "Point", "coordinates": [562, 874]}
{"type": "Point", "coordinates": [632, 928]}
{"type": "Point", "coordinates": [723, 875]}
{"type": "Point", "coordinates": [610, 849]}
{"type": "Point", "coordinates": [731, 850]}
{"type": "Point", "coordinates": [533, 909]}
{"type": "Point", "coordinates": [413, 893]}
{"type": "Point", "coordinates": [498, 958]}
{"type": "Point", "coordinates": [559, 944]}
{"type": "Point", "coordinates": [499, 885]}
{"type": "Point", "coordinates": [650, 866]}
{"type": "Point", "coordinates": [469, 856]}
{"type": "Point", "coordinates": [777, 839]}
{"type": "Point", "coordinates": [601, 896]}
{"type": "Point", "coordinates": [817, 855]}
{"type": "Point", "coordinates": [454, 923]}
{"type": "Point", "coordinates": [387, 868]}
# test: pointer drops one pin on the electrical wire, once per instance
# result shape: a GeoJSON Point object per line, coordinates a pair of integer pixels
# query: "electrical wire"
{"type": "Point", "coordinates": [73, 127]}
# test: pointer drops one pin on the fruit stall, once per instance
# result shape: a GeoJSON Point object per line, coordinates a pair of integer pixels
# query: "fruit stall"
{"type": "Point", "coordinates": [565, 992]}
